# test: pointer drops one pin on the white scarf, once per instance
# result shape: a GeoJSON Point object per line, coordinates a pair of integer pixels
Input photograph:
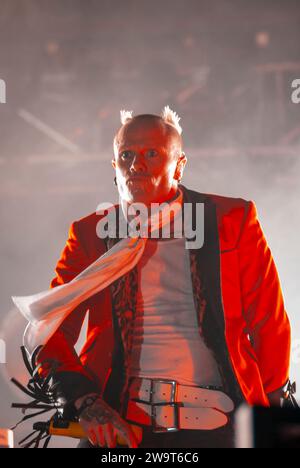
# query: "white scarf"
{"type": "Point", "coordinates": [46, 311]}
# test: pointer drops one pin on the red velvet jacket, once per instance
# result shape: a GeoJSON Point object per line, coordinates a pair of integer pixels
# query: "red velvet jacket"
{"type": "Point", "coordinates": [238, 300]}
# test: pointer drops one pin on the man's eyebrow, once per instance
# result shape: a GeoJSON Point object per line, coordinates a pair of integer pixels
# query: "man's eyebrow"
{"type": "Point", "coordinates": [162, 150]}
{"type": "Point", "coordinates": [124, 147]}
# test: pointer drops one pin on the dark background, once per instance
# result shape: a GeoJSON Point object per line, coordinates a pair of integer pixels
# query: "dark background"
{"type": "Point", "coordinates": [225, 66]}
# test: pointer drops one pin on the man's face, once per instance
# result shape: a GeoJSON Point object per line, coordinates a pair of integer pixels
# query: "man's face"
{"type": "Point", "coordinates": [146, 157]}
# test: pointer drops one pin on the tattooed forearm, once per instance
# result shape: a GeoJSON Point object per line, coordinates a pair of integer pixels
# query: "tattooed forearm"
{"type": "Point", "coordinates": [103, 425]}
{"type": "Point", "coordinates": [101, 413]}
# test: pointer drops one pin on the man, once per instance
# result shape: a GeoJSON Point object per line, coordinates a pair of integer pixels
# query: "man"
{"type": "Point", "coordinates": [205, 329]}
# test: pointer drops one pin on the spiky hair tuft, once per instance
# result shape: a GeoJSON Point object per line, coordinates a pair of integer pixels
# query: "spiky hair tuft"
{"type": "Point", "coordinates": [125, 116]}
{"type": "Point", "coordinates": [172, 118]}
{"type": "Point", "coordinates": [167, 114]}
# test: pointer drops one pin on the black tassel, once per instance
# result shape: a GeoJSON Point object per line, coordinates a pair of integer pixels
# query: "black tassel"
{"type": "Point", "coordinates": [43, 400]}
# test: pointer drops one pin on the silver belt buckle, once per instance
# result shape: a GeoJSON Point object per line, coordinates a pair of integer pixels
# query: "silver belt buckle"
{"type": "Point", "coordinates": [172, 403]}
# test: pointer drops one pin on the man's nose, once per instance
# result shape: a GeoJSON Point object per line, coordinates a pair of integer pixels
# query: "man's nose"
{"type": "Point", "coordinates": [138, 163]}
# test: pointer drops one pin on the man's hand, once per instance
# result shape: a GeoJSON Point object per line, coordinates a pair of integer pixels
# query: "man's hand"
{"type": "Point", "coordinates": [102, 424]}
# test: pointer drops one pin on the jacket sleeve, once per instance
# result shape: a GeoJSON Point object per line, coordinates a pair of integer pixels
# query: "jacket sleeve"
{"type": "Point", "coordinates": [263, 304]}
{"type": "Point", "coordinates": [70, 379]}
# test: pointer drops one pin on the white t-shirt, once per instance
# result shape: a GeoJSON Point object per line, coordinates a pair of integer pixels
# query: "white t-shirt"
{"type": "Point", "coordinates": [167, 343]}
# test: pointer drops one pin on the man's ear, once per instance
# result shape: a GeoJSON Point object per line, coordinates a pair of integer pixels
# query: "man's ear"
{"type": "Point", "coordinates": [113, 163]}
{"type": "Point", "coordinates": [181, 162]}
{"type": "Point", "coordinates": [183, 158]}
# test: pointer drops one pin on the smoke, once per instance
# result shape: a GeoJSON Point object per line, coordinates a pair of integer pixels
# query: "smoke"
{"type": "Point", "coordinates": [225, 67]}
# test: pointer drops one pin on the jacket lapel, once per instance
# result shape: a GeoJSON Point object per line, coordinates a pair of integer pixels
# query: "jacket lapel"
{"type": "Point", "coordinates": [207, 258]}
{"type": "Point", "coordinates": [206, 272]}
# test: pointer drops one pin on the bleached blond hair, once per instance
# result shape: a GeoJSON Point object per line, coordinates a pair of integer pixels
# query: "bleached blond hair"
{"type": "Point", "coordinates": [167, 114]}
